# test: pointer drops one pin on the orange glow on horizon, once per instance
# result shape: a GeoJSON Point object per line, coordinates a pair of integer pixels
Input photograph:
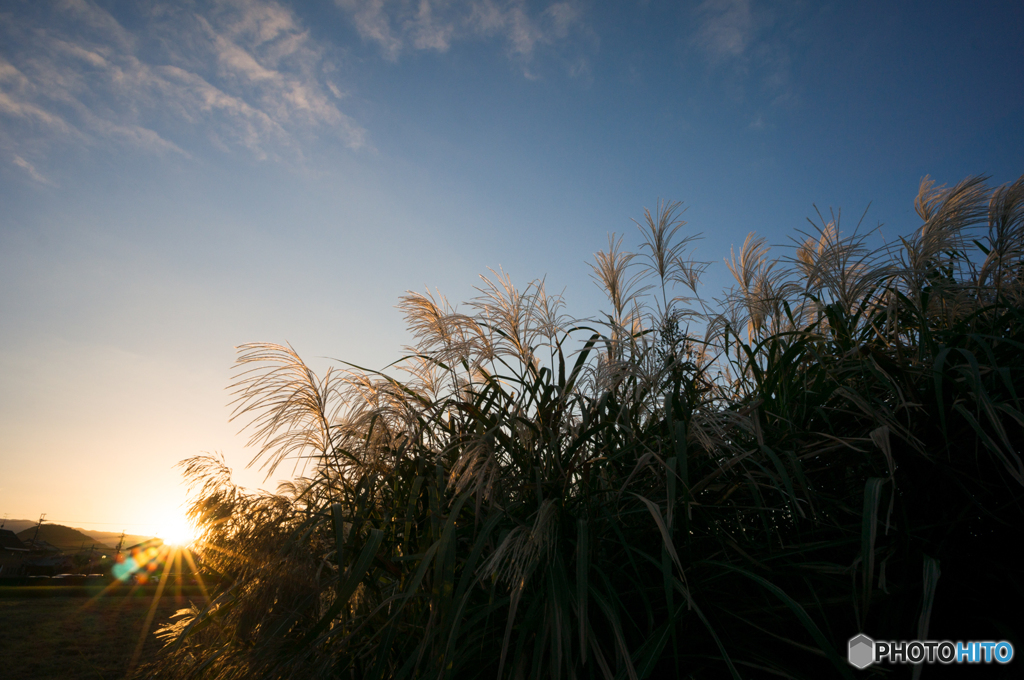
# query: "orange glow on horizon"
{"type": "Point", "coordinates": [176, 531]}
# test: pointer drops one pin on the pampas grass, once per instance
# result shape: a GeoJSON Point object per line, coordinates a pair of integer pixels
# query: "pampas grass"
{"type": "Point", "coordinates": [845, 427]}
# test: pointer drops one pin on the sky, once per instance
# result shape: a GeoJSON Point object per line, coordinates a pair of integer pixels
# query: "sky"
{"type": "Point", "coordinates": [180, 178]}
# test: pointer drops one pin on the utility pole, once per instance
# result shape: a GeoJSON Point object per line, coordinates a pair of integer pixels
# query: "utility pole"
{"type": "Point", "coordinates": [4, 521]}
{"type": "Point", "coordinates": [42, 518]}
{"type": "Point", "coordinates": [120, 543]}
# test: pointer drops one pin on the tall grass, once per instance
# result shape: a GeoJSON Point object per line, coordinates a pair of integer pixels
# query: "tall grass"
{"type": "Point", "coordinates": [701, 488]}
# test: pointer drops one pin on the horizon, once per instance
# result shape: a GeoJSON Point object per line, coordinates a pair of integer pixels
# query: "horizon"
{"type": "Point", "coordinates": [32, 524]}
{"type": "Point", "coordinates": [178, 182]}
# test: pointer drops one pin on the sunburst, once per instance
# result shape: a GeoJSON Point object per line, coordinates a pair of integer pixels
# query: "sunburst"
{"type": "Point", "coordinates": [176, 531]}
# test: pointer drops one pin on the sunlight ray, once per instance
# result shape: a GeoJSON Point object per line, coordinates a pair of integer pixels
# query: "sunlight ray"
{"type": "Point", "coordinates": [165, 574]}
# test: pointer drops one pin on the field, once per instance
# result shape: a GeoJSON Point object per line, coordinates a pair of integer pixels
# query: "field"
{"type": "Point", "coordinates": [78, 637]}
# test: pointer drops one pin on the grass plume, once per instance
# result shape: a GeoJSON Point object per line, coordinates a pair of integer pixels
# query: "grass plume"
{"type": "Point", "coordinates": [846, 426]}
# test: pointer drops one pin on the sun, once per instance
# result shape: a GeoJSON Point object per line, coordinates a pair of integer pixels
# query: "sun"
{"type": "Point", "coordinates": [176, 531]}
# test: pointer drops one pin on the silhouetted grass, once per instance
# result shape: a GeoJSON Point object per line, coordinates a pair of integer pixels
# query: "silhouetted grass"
{"type": "Point", "coordinates": [699, 488]}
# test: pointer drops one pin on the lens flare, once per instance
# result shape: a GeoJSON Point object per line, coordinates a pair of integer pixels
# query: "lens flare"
{"type": "Point", "coordinates": [177, 532]}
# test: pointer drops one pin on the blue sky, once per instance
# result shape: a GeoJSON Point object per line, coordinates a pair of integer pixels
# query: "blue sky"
{"type": "Point", "coordinates": [179, 178]}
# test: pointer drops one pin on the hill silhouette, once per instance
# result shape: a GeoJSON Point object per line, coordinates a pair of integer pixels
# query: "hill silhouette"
{"type": "Point", "coordinates": [62, 537]}
{"type": "Point", "coordinates": [18, 525]}
{"type": "Point", "coordinates": [107, 538]}
{"type": "Point", "coordinates": [112, 537]}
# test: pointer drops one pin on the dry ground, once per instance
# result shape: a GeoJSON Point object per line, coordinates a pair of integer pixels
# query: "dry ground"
{"type": "Point", "coordinates": [77, 637]}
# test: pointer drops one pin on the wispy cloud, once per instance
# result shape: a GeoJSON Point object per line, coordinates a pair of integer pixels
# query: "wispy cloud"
{"type": "Point", "coordinates": [30, 169]}
{"type": "Point", "coordinates": [240, 73]}
{"type": "Point", "coordinates": [744, 43]}
{"type": "Point", "coordinates": [399, 25]}
{"type": "Point", "coordinates": [726, 27]}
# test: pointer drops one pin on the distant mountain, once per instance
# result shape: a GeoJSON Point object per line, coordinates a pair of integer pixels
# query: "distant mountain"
{"type": "Point", "coordinates": [17, 525]}
{"type": "Point", "coordinates": [113, 537]}
{"type": "Point", "coordinates": [107, 538]}
{"type": "Point", "coordinates": [65, 538]}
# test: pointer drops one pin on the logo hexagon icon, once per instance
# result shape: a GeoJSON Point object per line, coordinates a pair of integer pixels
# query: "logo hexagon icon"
{"type": "Point", "coordinates": [861, 651]}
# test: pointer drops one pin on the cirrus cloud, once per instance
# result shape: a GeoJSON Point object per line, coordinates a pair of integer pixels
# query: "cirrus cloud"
{"type": "Point", "coordinates": [398, 25]}
{"type": "Point", "coordinates": [240, 73]}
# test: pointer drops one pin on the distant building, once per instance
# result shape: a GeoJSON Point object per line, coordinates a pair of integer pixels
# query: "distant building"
{"type": "Point", "coordinates": [50, 565]}
{"type": "Point", "coordinates": [44, 559]}
{"type": "Point", "coordinates": [41, 547]}
{"type": "Point", "coordinates": [10, 541]}
{"type": "Point", "coordinates": [12, 554]}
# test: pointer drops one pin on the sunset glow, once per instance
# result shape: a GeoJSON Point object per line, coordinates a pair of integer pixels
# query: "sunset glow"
{"type": "Point", "coordinates": [176, 531]}
{"type": "Point", "coordinates": [176, 182]}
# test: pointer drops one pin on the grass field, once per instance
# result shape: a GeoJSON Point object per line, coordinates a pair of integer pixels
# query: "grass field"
{"type": "Point", "coordinates": [679, 487]}
{"type": "Point", "coordinates": [76, 637]}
